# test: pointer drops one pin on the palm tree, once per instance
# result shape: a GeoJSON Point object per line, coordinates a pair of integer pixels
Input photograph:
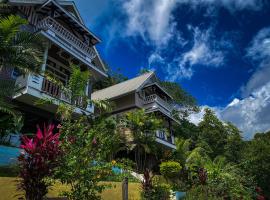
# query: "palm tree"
{"type": "Point", "coordinates": [18, 48]}
{"type": "Point", "coordinates": [139, 135]}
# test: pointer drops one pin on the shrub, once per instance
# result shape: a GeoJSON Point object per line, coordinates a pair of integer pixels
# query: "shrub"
{"type": "Point", "coordinates": [170, 169]}
{"type": "Point", "coordinates": [38, 161]}
{"type": "Point", "coordinates": [160, 191]}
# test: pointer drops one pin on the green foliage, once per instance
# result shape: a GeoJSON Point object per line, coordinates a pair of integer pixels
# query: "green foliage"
{"type": "Point", "coordinates": [9, 171]}
{"type": "Point", "coordinates": [89, 145]}
{"type": "Point", "coordinates": [212, 131]}
{"type": "Point", "coordinates": [234, 144]}
{"type": "Point", "coordinates": [112, 79]}
{"type": "Point", "coordinates": [160, 191]}
{"type": "Point", "coordinates": [180, 96]}
{"type": "Point", "coordinates": [186, 130]}
{"type": "Point", "coordinates": [256, 160]}
{"type": "Point", "coordinates": [77, 83]}
{"type": "Point", "coordinates": [227, 180]}
{"type": "Point", "coordinates": [170, 169]}
{"type": "Point", "coordinates": [141, 139]}
{"type": "Point", "coordinates": [19, 48]}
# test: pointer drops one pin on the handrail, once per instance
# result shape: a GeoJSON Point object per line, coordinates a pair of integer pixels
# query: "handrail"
{"type": "Point", "coordinates": [50, 24]}
{"type": "Point", "coordinates": [155, 98]}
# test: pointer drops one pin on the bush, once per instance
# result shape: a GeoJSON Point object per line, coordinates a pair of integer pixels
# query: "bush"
{"type": "Point", "coordinates": [37, 162]}
{"type": "Point", "coordinates": [159, 191]}
{"type": "Point", "coordinates": [170, 169]}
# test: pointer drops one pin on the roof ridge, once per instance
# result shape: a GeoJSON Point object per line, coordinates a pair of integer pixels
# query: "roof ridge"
{"type": "Point", "coordinates": [148, 73]}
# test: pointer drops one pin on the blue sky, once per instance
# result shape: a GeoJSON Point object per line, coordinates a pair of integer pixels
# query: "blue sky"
{"type": "Point", "coordinates": [218, 50]}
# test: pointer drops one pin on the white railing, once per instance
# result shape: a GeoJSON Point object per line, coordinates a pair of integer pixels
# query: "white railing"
{"type": "Point", "coordinates": [155, 98]}
{"type": "Point", "coordinates": [71, 40]}
{"type": "Point", "coordinates": [43, 85]}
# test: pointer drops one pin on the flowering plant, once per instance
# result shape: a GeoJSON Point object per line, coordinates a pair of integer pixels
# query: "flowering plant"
{"type": "Point", "coordinates": [38, 161]}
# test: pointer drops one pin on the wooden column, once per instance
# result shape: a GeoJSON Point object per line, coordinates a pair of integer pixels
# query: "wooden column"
{"type": "Point", "coordinates": [125, 189]}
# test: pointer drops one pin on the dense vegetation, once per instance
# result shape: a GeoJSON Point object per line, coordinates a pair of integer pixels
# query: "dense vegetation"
{"type": "Point", "coordinates": [216, 163]}
{"type": "Point", "coordinates": [212, 161]}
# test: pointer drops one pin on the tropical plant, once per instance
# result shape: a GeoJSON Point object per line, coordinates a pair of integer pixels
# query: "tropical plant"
{"type": "Point", "coordinates": [19, 48]}
{"type": "Point", "coordinates": [88, 145]}
{"type": "Point", "coordinates": [170, 169]}
{"type": "Point", "coordinates": [37, 162]}
{"type": "Point", "coordinates": [139, 129]}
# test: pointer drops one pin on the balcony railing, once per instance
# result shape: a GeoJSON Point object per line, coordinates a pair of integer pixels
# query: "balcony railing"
{"type": "Point", "coordinates": [54, 90]}
{"type": "Point", "coordinates": [74, 43]}
{"type": "Point", "coordinates": [45, 86]}
{"type": "Point", "coordinates": [156, 99]}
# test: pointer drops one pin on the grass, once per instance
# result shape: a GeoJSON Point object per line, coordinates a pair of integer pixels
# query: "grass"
{"type": "Point", "coordinates": [9, 191]}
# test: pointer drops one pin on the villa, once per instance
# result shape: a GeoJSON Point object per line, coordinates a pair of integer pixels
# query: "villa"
{"type": "Point", "coordinates": [143, 92]}
{"type": "Point", "coordinates": [67, 41]}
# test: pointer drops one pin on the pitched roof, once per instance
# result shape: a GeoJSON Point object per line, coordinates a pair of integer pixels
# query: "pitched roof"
{"type": "Point", "coordinates": [122, 88]}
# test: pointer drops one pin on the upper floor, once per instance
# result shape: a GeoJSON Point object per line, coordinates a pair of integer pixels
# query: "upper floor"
{"type": "Point", "coordinates": [144, 92]}
{"type": "Point", "coordinates": [67, 41]}
{"type": "Point", "coordinates": [60, 23]}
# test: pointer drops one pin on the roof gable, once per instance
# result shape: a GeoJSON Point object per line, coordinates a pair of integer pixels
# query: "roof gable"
{"type": "Point", "coordinates": [123, 88]}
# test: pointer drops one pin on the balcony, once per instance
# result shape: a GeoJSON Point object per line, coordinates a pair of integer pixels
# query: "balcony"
{"type": "Point", "coordinates": [154, 101]}
{"type": "Point", "coordinates": [162, 138]}
{"type": "Point", "coordinates": [65, 39]}
{"type": "Point", "coordinates": [31, 88]}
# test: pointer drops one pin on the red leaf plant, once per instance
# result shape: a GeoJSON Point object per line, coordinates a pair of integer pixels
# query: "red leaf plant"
{"type": "Point", "coordinates": [38, 161]}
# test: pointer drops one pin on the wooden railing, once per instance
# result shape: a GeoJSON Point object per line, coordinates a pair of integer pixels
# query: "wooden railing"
{"type": "Point", "coordinates": [155, 98]}
{"type": "Point", "coordinates": [71, 40]}
{"type": "Point", "coordinates": [51, 88]}
{"type": "Point", "coordinates": [54, 90]}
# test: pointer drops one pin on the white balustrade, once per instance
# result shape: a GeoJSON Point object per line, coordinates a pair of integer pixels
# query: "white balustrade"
{"type": "Point", "coordinates": [155, 98]}
{"type": "Point", "coordinates": [51, 25]}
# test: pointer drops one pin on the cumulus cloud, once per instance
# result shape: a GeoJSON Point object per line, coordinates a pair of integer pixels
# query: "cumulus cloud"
{"type": "Point", "coordinates": [251, 112]}
{"type": "Point", "coordinates": [259, 53]}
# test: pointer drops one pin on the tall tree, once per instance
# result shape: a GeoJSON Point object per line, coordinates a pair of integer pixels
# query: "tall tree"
{"type": "Point", "coordinates": [212, 131]}
{"type": "Point", "coordinates": [234, 143]}
{"type": "Point", "coordinates": [256, 160]}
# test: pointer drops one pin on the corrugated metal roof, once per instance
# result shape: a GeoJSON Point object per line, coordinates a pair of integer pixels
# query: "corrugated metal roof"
{"type": "Point", "coordinates": [121, 88]}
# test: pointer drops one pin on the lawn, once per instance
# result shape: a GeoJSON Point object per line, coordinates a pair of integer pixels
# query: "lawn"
{"type": "Point", "coordinates": [8, 190]}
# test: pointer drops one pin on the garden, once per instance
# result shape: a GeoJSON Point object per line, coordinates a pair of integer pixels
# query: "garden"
{"type": "Point", "coordinates": [81, 157]}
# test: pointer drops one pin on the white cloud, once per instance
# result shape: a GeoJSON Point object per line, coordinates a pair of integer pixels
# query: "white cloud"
{"type": "Point", "coordinates": [205, 51]}
{"type": "Point", "coordinates": [251, 113]}
{"type": "Point", "coordinates": [259, 53]}
{"type": "Point", "coordinates": [152, 20]}
{"type": "Point", "coordinates": [155, 58]}
{"type": "Point", "coordinates": [231, 5]}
